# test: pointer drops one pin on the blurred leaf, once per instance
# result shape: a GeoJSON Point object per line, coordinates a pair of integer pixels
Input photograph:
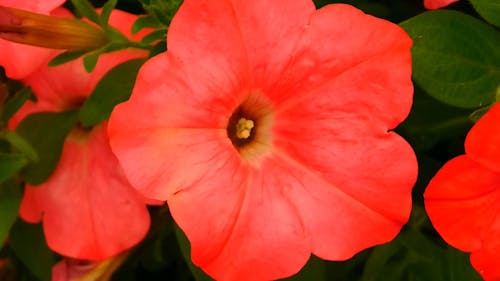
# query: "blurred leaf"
{"type": "Point", "coordinates": [456, 57]}
{"type": "Point", "coordinates": [198, 274]}
{"type": "Point", "coordinates": [163, 11]}
{"type": "Point", "coordinates": [13, 104]}
{"type": "Point", "coordinates": [431, 121]}
{"type": "Point", "coordinates": [157, 35]}
{"type": "Point", "coordinates": [85, 9]}
{"type": "Point", "coordinates": [90, 61]}
{"type": "Point", "coordinates": [145, 22]}
{"type": "Point", "coordinates": [415, 256]}
{"type": "Point", "coordinates": [21, 145]}
{"type": "Point", "coordinates": [115, 87]}
{"type": "Point", "coordinates": [28, 244]}
{"type": "Point", "coordinates": [315, 269]}
{"type": "Point", "coordinates": [10, 199]}
{"type": "Point", "coordinates": [66, 57]}
{"type": "Point", "coordinates": [477, 114]}
{"type": "Point", "coordinates": [10, 164]}
{"type": "Point", "coordinates": [107, 9]}
{"type": "Point", "coordinates": [46, 132]}
{"type": "Point", "coordinates": [488, 9]}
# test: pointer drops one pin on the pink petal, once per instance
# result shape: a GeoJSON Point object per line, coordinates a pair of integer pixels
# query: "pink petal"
{"type": "Point", "coordinates": [246, 229]}
{"type": "Point", "coordinates": [342, 65]}
{"type": "Point", "coordinates": [482, 142]}
{"type": "Point", "coordinates": [88, 208]}
{"type": "Point", "coordinates": [486, 260]}
{"type": "Point", "coordinates": [437, 4]}
{"type": "Point", "coordinates": [37, 6]}
{"type": "Point", "coordinates": [462, 202]}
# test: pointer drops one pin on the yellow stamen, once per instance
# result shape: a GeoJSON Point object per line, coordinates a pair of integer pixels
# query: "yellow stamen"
{"type": "Point", "coordinates": [244, 128]}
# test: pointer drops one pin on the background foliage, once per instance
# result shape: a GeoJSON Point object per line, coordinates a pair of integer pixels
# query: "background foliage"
{"type": "Point", "coordinates": [456, 72]}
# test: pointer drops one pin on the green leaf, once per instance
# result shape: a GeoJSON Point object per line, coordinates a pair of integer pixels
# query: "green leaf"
{"type": "Point", "coordinates": [13, 104]}
{"type": "Point", "coordinates": [145, 22]}
{"type": "Point", "coordinates": [66, 57]}
{"type": "Point", "coordinates": [157, 35]}
{"type": "Point", "coordinates": [28, 243]}
{"type": "Point", "coordinates": [90, 61]}
{"type": "Point", "coordinates": [21, 145]}
{"type": "Point", "coordinates": [10, 164]}
{"type": "Point", "coordinates": [85, 9]}
{"type": "Point", "coordinates": [115, 87]}
{"type": "Point", "coordinates": [456, 58]}
{"type": "Point", "coordinates": [313, 270]}
{"type": "Point", "coordinates": [198, 274]}
{"type": "Point", "coordinates": [107, 9]}
{"type": "Point", "coordinates": [10, 199]}
{"type": "Point", "coordinates": [488, 9]}
{"type": "Point", "coordinates": [46, 132]}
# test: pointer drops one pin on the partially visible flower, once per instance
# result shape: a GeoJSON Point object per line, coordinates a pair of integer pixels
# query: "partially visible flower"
{"type": "Point", "coordinates": [266, 127]}
{"type": "Point", "coordinates": [437, 4]}
{"type": "Point", "coordinates": [463, 198]}
{"type": "Point", "coordinates": [78, 270]}
{"type": "Point", "coordinates": [88, 208]}
{"type": "Point", "coordinates": [20, 60]}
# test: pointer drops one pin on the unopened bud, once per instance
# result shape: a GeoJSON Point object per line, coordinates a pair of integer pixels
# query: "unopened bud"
{"type": "Point", "coordinates": [49, 32]}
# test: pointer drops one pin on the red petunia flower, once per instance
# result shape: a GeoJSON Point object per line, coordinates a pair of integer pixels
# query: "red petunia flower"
{"type": "Point", "coordinates": [88, 208]}
{"type": "Point", "coordinates": [265, 126]}
{"type": "Point", "coordinates": [463, 198]}
{"type": "Point", "coordinates": [437, 4]}
{"type": "Point", "coordinates": [20, 60]}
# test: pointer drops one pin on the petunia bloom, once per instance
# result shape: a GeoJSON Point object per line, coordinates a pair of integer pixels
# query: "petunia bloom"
{"type": "Point", "coordinates": [20, 60]}
{"type": "Point", "coordinates": [463, 198]}
{"type": "Point", "coordinates": [437, 4]}
{"type": "Point", "coordinates": [266, 128]}
{"type": "Point", "coordinates": [88, 208]}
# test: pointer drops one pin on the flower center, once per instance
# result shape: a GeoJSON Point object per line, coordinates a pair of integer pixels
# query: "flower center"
{"type": "Point", "coordinates": [249, 127]}
{"type": "Point", "coordinates": [244, 128]}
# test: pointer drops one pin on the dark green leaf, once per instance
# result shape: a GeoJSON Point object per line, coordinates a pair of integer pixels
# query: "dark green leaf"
{"type": "Point", "coordinates": [198, 274]}
{"type": "Point", "coordinates": [477, 114]}
{"type": "Point", "coordinates": [115, 87]}
{"type": "Point", "coordinates": [85, 9]}
{"type": "Point", "coordinates": [456, 57]}
{"type": "Point", "coordinates": [157, 35]}
{"type": "Point", "coordinates": [107, 9]}
{"type": "Point", "coordinates": [10, 164]}
{"type": "Point", "coordinates": [90, 61]}
{"type": "Point", "coordinates": [488, 9]}
{"type": "Point", "coordinates": [145, 22]}
{"type": "Point", "coordinates": [10, 199]}
{"type": "Point", "coordinates": [21, 145]}
{"type": "Point", "coordinates": [13, 104]}
{"type": "Point", "coordinates": [46, 132]}
{"type": "Point", "coordinates": [28, 243]}
{"type": "Point", "coordinates": [66, 57]}
{"type": "Point", "coordinates": [313, 270]}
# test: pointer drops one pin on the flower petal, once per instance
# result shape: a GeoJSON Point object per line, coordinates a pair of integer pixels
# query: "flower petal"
{"type": "Point", "coordinates": [462, 202]}
{"type": "Point", "coordinates": [437, 4]}
{"type": "Point", "coordinates": [262, 233]}
{"type": "Point", "coordinates": [345, 69]}
{"type": "Point", "coordinates": [40, 6]}
{"type": "Point", "coordinates": [89, 209]}
{"type": "Point", "coordinates": [482, 142]}
{"type": "Point", "coordinates": [485, 260]}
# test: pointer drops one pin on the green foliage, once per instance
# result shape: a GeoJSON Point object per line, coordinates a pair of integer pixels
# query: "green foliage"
{"type": "Point", "coordinates": [10, 164]}
{"type": "Point", "coordinates": [46, 132]}
{"type": "Point", "coordinates": [198, 274]}
{"type": "Point", "coordinates": [66, 57]}
{"type": "Point", "coordinates": [10, 199]}
{"type": "Point", "coordinates": [106, 11]}
{"type": "Point", "coordinates": [115, 87]}
{"type": "Point", "coordinates": [162, 10]}
{"type": "Point", "coordinates": [28, 243]}
{"type": "Point", "coordinates": [456, 58]}
{"type": "Point", "coordinates": [85, 9]}
{"type": "Point", "coordinates": [488, 9]}
{"type": "Point", "coordinates": [13, 104]}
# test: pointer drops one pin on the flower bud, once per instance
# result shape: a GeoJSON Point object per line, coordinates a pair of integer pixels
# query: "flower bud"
{"type": "Point", "coordinates": [48, 31]}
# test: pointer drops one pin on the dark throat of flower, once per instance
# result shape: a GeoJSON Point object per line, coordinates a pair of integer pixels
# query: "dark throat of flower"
{"type": "Point", "coordinates": [250, 125]}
